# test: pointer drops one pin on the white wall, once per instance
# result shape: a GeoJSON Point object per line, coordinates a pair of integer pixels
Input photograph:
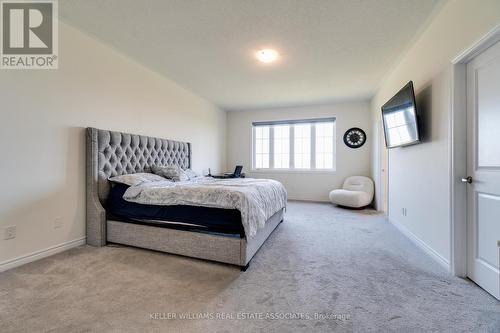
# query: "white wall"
{"type": "Point", "coordinates": [419, 175]}
{"type": "Point", "coordinates": [305, 185]}
{"type": "Point", "coordinates": [42, 120]}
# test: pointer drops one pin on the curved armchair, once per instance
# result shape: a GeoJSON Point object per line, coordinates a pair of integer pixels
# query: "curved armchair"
{"type": "Point", "coordinates": [357, 192]}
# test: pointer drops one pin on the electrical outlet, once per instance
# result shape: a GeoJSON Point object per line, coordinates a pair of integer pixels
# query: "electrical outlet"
{"type": "Point", "coordinates": [403, 211]}
{"type": "Point", "coordinates": [9, 232]}
{"type": "Point", "coordinates": [57, 223]}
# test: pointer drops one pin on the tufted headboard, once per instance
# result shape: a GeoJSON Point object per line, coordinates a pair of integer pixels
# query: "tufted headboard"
{"type": "Point", "coordinates": [113, 153]}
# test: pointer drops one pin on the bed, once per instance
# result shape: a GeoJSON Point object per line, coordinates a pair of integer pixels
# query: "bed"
{"type": "Point", "coordinates": [209, 233]}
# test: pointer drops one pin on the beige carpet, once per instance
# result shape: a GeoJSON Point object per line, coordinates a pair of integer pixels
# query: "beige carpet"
{"type": "Point", "coordinates": [323, 269]}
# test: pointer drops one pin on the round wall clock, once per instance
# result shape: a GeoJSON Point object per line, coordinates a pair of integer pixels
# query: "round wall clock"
{"type": "Point", "coordinates": [354, 137]}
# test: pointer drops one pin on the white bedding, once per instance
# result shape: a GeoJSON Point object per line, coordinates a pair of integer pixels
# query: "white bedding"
{"type": "Point", "coordinates": [256, 199]}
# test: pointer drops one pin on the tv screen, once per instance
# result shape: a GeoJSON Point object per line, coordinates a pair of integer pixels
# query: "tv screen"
{"type": "Point", "coordinates": [399, 116]}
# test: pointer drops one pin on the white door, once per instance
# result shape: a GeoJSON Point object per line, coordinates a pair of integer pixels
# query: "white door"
{"type": "Point", "coordinates": [483, 167]}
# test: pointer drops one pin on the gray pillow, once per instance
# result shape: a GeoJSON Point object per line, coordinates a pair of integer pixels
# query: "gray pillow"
{"type": "Point", "coordinates": [172, 172]}
{"type": "Point", "coordinates": [133, 179]}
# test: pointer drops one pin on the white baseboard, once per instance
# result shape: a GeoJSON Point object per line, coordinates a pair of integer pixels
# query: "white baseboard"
{"type": "Point", "coordinates": [307, 200]}
{"type": "Point", "coordinates": [423, 245]}
{"type": "Point", "coordinates": [11, 263]}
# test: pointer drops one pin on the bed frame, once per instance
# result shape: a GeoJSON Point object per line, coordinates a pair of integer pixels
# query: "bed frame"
{"type": "Point", "coordinates": [113, 153]}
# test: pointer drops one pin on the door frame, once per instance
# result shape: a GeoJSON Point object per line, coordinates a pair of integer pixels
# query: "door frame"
{"type": "Point", "coordinates": [458, 150]}
{"type": "Point", "coordinates": [383, 176]}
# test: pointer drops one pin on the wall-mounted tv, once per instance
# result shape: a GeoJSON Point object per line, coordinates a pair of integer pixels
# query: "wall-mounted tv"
{"type": "Point", "coordinates": [400, 119]}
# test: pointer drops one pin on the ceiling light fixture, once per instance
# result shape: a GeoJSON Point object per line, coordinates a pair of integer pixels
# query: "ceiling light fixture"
{"type": "Point", "coordinates": [267, 55]}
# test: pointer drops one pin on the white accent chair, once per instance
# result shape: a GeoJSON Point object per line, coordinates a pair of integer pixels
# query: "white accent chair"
{"type": "Point", "coordinates": [357, 192]}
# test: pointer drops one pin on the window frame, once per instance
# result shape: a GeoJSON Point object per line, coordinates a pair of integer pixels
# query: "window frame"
{"type": "Point", "coordinates": [291, 124]}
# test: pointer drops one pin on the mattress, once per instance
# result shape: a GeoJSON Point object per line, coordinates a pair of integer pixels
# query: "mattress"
{"type": "Point", "coordinates": [205, 219]}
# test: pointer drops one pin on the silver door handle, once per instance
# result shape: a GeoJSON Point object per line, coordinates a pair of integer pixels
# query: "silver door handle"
{"type": "Point", "coordinates": [467, 180]}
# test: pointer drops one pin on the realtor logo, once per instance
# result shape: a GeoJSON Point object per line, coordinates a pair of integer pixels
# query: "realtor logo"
{"type": "Point", "coordinates": [29, 34]}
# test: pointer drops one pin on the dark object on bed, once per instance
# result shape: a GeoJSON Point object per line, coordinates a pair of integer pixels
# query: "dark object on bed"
{"type": "Point", "coordinates": [237, 171]}
{"type": "Point", "coordinates": [217, 220]}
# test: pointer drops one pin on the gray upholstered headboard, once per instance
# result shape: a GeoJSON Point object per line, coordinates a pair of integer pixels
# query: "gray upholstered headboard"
{"type": "Point", "coordinates": [113, 153]}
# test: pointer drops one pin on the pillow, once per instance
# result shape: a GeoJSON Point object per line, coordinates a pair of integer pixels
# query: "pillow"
{"type": "Point", "coordinates": [170, 172]}
{"type": "Point", "coordinates": [133, 179]}
{"type": "Point", "coordinates": [192, 174]}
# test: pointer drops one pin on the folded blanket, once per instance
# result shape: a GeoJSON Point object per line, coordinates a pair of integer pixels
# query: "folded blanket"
{"type": "Point", "coordinates": [256, 199]}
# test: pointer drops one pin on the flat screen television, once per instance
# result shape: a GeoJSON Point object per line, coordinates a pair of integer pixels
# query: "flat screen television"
{"type": "Point", "coordinates": [400, 119]}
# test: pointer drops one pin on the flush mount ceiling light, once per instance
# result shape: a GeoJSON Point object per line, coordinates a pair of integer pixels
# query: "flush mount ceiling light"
{"type": "Point", "coordinates": [267, 55]}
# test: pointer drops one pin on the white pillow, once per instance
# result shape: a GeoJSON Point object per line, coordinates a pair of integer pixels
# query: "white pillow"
{"type": "Point", "coordinates": [172, 172]}
{"type": "Point", "coordinates": [133, 179]}
{"type": "Point", "coordinates": [192, 174]}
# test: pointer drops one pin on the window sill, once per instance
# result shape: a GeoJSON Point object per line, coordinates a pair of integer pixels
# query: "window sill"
{"type": "Point", "coordinates": [295, 171]}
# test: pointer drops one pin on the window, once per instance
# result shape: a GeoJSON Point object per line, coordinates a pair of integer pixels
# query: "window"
{"type": "Point", "coordinates": [281, 146]}
{"type": "Point", "coordinates": [324, 146]}
{"type": "Point", "coordinates": [261, 147]}
{"type": "Point", "coordinates": [294, 145]}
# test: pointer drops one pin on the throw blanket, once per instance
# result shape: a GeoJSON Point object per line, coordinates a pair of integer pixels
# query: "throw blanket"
{"type": "Point", "coordinates": [256, 199]}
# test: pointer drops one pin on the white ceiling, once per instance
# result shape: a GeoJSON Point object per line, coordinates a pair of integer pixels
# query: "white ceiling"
{"type": "Point", "coordinates": [331, 50]}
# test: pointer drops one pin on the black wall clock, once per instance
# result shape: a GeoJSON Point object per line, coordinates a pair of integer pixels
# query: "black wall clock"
{"type": "Point", "coordinates": [354, 137]}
